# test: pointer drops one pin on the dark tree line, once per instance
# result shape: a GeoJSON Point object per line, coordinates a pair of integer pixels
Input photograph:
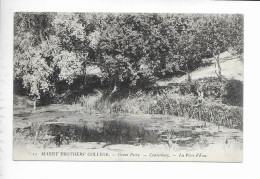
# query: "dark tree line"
{"type": "Point", "coordinates": [54, 52]}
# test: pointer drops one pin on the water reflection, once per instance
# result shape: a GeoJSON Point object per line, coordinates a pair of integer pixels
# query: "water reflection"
{"type": "Point", "coordinates": [172, 132]}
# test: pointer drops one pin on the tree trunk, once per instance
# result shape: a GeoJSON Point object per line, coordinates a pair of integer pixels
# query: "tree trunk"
{"type": "Point", "coordinates": [188, 77]}
{"type": "Point", "coordinates": [34, 103]}
{"type": "Point", "coordinates": [41, 36]}
{"type": "Point", "coordinates": [188, 73]}
{"type": "Point", "coordinates": [85, 56]}
{"type": "Point", "coordinates": [218, 67]}
{"type": "Point", "coordinates": [114, 90]}
{"type": "Point", "coordinates": [219, 70]}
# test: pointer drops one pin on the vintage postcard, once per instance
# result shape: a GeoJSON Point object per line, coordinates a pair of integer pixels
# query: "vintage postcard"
{"type": "Point", "coordinates": [128, 87]}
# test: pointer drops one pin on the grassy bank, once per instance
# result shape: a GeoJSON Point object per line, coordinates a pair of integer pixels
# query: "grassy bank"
{"type": "Point", "coordinates": [170, 103]}
{"type": "Point", "coordinates": [166, 100]}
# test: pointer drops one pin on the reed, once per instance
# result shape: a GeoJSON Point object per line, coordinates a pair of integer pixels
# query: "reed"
{"type": "Point", "coordinates": [169, 103]}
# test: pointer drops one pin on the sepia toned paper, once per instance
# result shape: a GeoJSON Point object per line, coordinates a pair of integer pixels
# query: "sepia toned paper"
{"type": "Point", "coordinates": [128, 87]}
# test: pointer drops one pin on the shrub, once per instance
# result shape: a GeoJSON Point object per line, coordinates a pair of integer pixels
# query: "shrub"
{"type": "Point", "coordinates": [230, 92]}
{"type": "Point", "coordinates": [188, 88]}
{"type": "Point", "coordinates": [233, 93]}
{"type": "Point", "coordinates": [213, 87]}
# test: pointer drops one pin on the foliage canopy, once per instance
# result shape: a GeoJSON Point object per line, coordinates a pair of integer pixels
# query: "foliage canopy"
{"type": "Point", "coordinates": [129, 50]}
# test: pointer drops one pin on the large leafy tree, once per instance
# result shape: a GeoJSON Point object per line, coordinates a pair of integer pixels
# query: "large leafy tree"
{"type": "Point", "coordinates": [127, 50]}
{"type": "Point", "coordinates": [34, 48]}
{"type": "Point", "coordinates": [220, 32]}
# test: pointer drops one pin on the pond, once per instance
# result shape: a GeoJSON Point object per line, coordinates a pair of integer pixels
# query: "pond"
{"type": "Point", "coordinates": [61, 129]}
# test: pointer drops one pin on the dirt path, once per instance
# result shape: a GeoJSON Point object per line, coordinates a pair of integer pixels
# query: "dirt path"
{"type": "Point", "coordinates": [231, 68]}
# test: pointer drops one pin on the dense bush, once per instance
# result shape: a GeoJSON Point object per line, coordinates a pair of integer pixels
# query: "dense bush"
{"type": "Point", "coordinates": [213, 87]}
{"type": "Point", "coordinates": [230, 91]}
{"type": "Point", "coordinates": [188, 88]}
{"type": "Point", "coordinates": [233, 93]}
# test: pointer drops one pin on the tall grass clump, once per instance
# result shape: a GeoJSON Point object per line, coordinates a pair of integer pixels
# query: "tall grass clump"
{"type": "Point", "coordinates": [91, 101]}
{"type": "Point", "coordinates": [189, 106]}
{"type": "Point", "coordinates": [167, 102]}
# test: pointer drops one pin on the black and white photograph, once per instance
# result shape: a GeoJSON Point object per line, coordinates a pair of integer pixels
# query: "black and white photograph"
{"type": "Point", "coordinates": [128, 86]}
